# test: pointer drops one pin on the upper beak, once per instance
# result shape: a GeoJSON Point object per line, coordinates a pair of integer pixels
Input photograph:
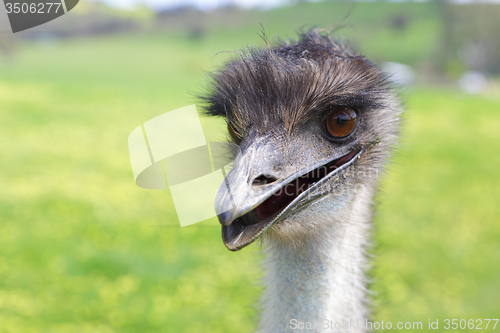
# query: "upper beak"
{"type": "Point", "coordinates": [241, 191]}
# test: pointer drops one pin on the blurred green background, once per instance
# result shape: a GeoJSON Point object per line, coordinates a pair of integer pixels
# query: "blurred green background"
{"type": "Point", "coordinates": [83, 249]}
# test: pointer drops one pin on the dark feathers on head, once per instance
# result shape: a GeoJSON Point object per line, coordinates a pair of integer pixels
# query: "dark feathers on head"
{"type": "Point", "coordinates": [289, 82]}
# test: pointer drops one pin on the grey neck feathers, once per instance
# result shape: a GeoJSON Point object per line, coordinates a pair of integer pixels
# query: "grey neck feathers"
{"type": "Point", "coordinates": [318, 285]}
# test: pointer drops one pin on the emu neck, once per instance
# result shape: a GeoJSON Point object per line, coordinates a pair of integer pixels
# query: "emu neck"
{"type": "Point", "coordinates": [318, 285]}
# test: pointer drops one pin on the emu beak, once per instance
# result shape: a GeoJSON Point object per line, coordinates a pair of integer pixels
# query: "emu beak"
{"type": "Point", "coordinates": [239, 194]}
{"type": "Point", "coordinates": [262, 189]}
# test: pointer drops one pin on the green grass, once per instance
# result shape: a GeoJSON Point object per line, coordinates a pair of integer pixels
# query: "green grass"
{"type": "Point", "coordinates": [83, 249]}
{"type": "Point", "coordinates": [437, 224]}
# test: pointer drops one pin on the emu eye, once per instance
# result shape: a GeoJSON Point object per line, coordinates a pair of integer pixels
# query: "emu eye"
{"type": "Point", "coordinates": [236, 138]}
{"type": "Point", "coordinates": [341, 122]}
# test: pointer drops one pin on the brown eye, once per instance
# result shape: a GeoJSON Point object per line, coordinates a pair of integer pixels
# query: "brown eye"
{"type": "Point", "coordinates": [341, 122]}
{"type": "Point", "coordinates": [236, 138]}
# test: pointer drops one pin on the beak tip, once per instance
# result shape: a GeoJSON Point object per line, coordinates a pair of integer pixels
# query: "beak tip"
{"type": "Point", "coordinates": [225, 218]}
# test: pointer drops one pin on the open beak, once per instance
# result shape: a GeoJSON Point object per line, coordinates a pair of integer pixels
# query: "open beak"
{"type": "Point", "coordinates": [256, 194]}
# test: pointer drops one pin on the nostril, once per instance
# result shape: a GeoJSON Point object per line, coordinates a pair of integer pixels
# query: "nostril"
{"type": "Point", "coordinates": [264, 179]}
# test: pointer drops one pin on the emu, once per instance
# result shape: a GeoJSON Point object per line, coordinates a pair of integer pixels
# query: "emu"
{"type": "Point", "coordinates": [315, 123]}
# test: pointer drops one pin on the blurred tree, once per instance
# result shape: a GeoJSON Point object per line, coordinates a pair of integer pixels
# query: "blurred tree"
{"type": "Point", "coordinates": [471, 36]}
{"type": "Point", "coordinates": [399, 21]}
{"type": "Point", "coordinates": [7, 45]}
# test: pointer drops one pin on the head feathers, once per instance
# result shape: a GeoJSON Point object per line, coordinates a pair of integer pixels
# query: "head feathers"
{"type": "Point", "coordinates": [288, 83]}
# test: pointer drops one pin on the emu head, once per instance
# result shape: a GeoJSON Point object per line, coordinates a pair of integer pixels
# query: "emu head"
{"type": "Point", "coordinates": [314, 123]}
